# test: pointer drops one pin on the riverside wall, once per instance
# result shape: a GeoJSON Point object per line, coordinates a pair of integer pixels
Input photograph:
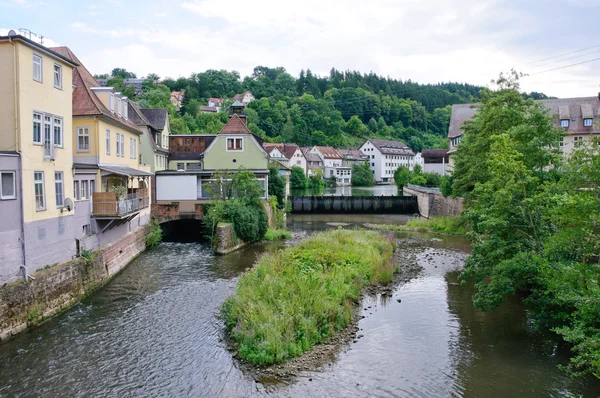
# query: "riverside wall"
{"type": "Point", "coordinates": [54, 289]}
{"type": "Point", "coordinates": [432, 203]}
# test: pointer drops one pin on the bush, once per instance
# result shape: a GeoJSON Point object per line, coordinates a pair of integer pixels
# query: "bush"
{"type": "Point", "coordinates": [442, 224]}
{"type": "Point", "coordinates": [446, 186]}
{"type": "Point", "coordinates": [301, 296]}
{"type": "Point", "coordinates": [418, 179]}
{"type": "Point", "coordinates": [362, 176]}
{"type": "Point", "coordinates": [277, 185]}
{"type": "Point", "coordinates": [315, 181]}
{"type": "Point", "coordinates": [89, 256]}
{"type": "Point", "coordinates": [401, 176]}
{"type": "Point", "coordinates": [298, 179]}
{"type": "Point", "coordinates": [433, 179]}
{"type": "Point", "coordinates": [277, 234]}
{"type": "Point", "coordinates": [246, 223]}
{"type": "Point", "coordinates": [155, 235]}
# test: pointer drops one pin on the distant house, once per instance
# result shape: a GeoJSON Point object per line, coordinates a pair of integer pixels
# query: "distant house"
{"type": "Point", "coordinates": [418, 160]}
{"type": "Point", "coordinates": [154, 142]}
{"type": "Point", "coordinates": [577, 116]}
{"type": "Point", "coordinates": [275, 152]}
{"type": "Point", "coordinates": [332, 165]}
{"type": "Point", "coordinates": [187, 151]}
{"type": "Point", "coordinates": [385, 157]}
{"type": "Point", "coordinates": [137, 83]}
{"type": "Point", "coordinates": [351, 157]}
{"type": "Point", "coordinates": [208, 109]}
{"type": "Point", "coordinates": [313, 161]}
{"type": "Point", "coordinates": [435, 161]}
{"type": "Point", "coordinates": [245, 98]}
{"type": "Point", "coordinates": [288, 154]}
{"type": "Point", "coordinates": [216, 103]}
{"type": "Point", "coordinates": [177, 98]}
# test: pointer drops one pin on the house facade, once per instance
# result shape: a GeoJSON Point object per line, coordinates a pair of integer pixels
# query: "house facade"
{"type": "Point", "coordinates": [351, 157]}
{"type": "Point", "coordinates": [187, 151]}
{"type": "Point", "coordinates": [435, 161]}
{"type": "Point", "coordinates": [577, 116]}
{"type": "Point", "coordinates": [332, 165]}
{"type": "Point", "coordinates": [35, 157]}
{"type": "Point", "coordinates": [275, 152]}
{"type": "Point", "coordinates": [385, 157]}
{"type": "Point", "coordinates": [313, 161]}
{"type": "Point", "coordinates": [245, 98]}
{"type": "Point", "coordinates": [154, 141]}
{"type": "Point", "coordinates": [110, 187]}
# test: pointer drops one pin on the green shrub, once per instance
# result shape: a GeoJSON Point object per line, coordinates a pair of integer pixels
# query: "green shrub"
{"type": "Point", "coordinates": [155, 236]}
{"type": "Point", "coordinates": [301, 296]}
{"type": "Point", "coordinates": [245, 223]}
{"type": "Point", "coordinates": [362, 176]}
{"type": "Point", "coordinates": [442, 224]}
{"type": "Point", "coordinates": [446, 186]}
{"type": "Point", "coordinates": [277, 234]}
{"type": "Point", "coordinates": [401, 176]}
{"type": "Point", "coordinates": [298, 179]}
{"type": "Point", "coordinates": [418, 179]}
{"type": "Point", "coordinates": [89, 256]}
{"type": "Point", "coordinates": [433, 179]}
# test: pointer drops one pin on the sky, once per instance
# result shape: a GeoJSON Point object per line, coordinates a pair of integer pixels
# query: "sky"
{"type": "Point", "coordinates": [431, 41]}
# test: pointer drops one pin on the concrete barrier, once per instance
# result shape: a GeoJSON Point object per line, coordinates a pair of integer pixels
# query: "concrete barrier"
{"type": "Point", "coordinates": [431, 202]}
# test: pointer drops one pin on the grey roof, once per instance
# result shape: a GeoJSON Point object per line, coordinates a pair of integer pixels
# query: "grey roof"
{"type": "Point", "coordinates": [460, 114]}
{"type": "Point", "coordinates": [156, 116]}
{"type": "Point", "coordinates": [185, 155]}
{"type": "Point", "coordinates": [311, 157]}
{"type": "Point", "coordinates": [204, 108]}
{"type": "Point", "coordinates": [572, 109]}
{"type": "Point", "coordinates": [123, 171]}
{"type": "Point", "coordinates": [136, 115]}
{"type": "Point", "coordinates": [391, 147]}
{"type": "Point", "coordinates": [352, 154]}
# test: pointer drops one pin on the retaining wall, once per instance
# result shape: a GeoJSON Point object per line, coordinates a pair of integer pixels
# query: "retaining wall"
{"type": "Point", "coordinates": [26, 304]}
{"type": "Point", "coordinates": [225, 239]}
{"type": "Point", "coordinates": [432, 203]}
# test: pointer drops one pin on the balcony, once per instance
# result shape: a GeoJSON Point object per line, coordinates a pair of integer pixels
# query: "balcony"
{"type": "Point", "coordinates": [107, 207]}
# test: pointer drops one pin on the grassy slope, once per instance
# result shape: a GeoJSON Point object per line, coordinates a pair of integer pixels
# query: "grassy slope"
{"type": "Point", "coordinates": [301, 296]}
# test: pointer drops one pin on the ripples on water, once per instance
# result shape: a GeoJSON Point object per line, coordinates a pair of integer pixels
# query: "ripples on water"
{"type": "Point", "coordinates": [154, 331]}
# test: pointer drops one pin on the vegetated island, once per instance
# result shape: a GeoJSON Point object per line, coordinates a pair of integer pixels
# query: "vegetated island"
{"type": "Point", "coordinates": [296, 298]}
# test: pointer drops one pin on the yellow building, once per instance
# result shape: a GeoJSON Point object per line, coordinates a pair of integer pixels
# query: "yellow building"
{"type": "Point", "coordinates": [111, 188]}
{"type": "Point", "coordinates": [36, 157]}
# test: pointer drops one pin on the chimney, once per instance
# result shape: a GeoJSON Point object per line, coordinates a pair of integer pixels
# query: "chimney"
{"type": "Point", "coordinates": [243, 118]}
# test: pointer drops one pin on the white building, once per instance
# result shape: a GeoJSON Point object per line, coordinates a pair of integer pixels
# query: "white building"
{"type": "Point", "coordinates": [332, 165]}
{"type": "Point", "coordinates": [385, 157]}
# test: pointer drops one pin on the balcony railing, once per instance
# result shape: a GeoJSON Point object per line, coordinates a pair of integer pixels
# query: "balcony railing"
{"type": "Point", "coordinates": [105, 204]}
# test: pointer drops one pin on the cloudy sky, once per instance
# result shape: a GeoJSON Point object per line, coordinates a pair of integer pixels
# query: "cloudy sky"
{"type": "Point", "coordinates": [424, 41]}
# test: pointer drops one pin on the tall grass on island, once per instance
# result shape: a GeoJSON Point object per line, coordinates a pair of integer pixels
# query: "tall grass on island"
{"type": "Point", "coordinates": [449, 225]}
{"type": "Point", "coordinates": [301, 296]}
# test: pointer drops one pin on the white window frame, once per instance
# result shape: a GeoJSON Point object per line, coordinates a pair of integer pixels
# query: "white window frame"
{"type": "Point", "coordinates": [125, 110]}
{"type": "Point", "coordinates": [40, 123]}
{"type": "Point", "coordinates": [577, 140]}
{"type": "Point", "coordinates": [48, 139]}
{"type": "Point", "coordinates": [59, 134]}
{"type": "Point", "coordinates": [111, 102]}
{"type": "Point", "coordinates": [76, 190]}
{"type": "Point", "coordinates": [41, 65]}
{"type": "Point", "coordinates": [108, 141]}
{"type": "Point", "coordinates": [588, 122]}
{"type": "Point", "coordinates": [84, 190]}
{"type": "Point", "coordinates": [564, 123]}
{"type": "Point", "coordinates": [37, 182]}
{"type": "Point", "coordinates": [234, 141]}
{"type": "Point", "coordinates": [57, 68]}
{"type": "Point", "coordinates": [59, 188]}
{"type": "Point", "coordinates": [118, 140]}
{"type": "Point", "coordinates": [80, 134]}
{"type": "Point", "coordinates": [14, 186]}
{"type": "Point", "coordinates": [131, 148]}
{"type": "Point", "coordinates": [122, 145]}
{"type": "Point", "coordinates": [119, 106]}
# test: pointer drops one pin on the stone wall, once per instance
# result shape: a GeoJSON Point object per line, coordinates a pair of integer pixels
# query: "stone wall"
{"type": "Point", "coordinates": [225, 239]}
{"type": "Point", "coordinates": [432, 203]}
{"type": "Point", "coordinates": [54, 289]}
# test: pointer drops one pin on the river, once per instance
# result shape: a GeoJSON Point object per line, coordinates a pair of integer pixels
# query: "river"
{"type": "Point", "coordinates": [376, 190]}
{"type": "Point", "coordinates": [154, 330]}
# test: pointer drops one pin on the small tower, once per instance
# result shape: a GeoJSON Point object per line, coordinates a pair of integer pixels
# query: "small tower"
{"type": "Point", "coordinates": [237, 108]}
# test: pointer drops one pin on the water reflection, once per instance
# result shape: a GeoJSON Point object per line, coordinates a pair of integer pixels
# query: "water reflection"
{"type": "Point", "coordinates": [155, 331]}
{"type": "Point", "coordinates": [377, 190]}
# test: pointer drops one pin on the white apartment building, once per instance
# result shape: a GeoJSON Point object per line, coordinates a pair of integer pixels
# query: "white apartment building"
{"type": "Point", "coordinates": [385, 157]}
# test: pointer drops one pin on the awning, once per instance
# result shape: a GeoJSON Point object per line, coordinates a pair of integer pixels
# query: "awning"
{"type": "Point", "coordinates": [123, 171]}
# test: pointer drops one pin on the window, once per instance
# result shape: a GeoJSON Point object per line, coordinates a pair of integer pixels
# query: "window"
{"type": "Point", "coordinates": [84, 190]}
{"type": "Point", "coordinates": [235, 144]}
{"type": "Point", "coordinates": [59, 188]}
{"type": "Point", "coordinates": [37, 68]}
{"type": "Point", "coordinates": [111, 103]}
{"type": "Point", "coordinates": [135, 148]}
{"type": "Point", "coordinates": [58, 132]}
{"type": "Point", "coordinates": [119, 106]}
{"type": "Point", "coordinates": [180, 166]}
{"type": "Point", "coordinates": [8, 189]}
{"type": "Point", "coordinates": [92, 187]}
{"type": "Point", "coordinates": [564, 123]}
{"type": "Point", "coordinates": [57, 76]}
{"type": "Point", "coordinates": [125, 110]}
{"type": "Point", "coordinates": [587, 122]}
{"type": "Point", "coordinates": [83, 139]}
{"type": "Point", "coordinates": [40, 197]}
{"type": "Point", "coordinates": [118, 140]}
{"type": "Point", "coordinates": [37, 128]}
{"type": "Point", "coordinates": [107, 141]}
{"type": "Point", "coordinates": [76, 190]}
{"type": "Point", "coordinates": [48, 142]}
{"type": "Point", "coordinates": [561, 142]}
{"type": "Point", "coordinates": [131, 148]}
{"type": "Point", "coordinates": [577, 141]}
{"type": "Point", "coordinates": [122, 146]}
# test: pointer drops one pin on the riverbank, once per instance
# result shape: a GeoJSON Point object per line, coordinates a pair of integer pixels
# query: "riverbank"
{"type": "Point", "coordinates": [445, 225]}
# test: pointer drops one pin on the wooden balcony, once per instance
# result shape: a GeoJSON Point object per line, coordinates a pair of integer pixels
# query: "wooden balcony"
{"type": "Point", "coordinates": [106, 205]}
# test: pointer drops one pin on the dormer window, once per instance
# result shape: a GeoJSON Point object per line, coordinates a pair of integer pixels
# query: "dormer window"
{"type": "Point", "coordinates": [125, 109]}
{"type": "Point", "coordinates": [111, 102]}
{"type": "Point", "coordinates": [564, 123]}
{"type": "Point", "coordinates": [119, 106]}
{"type": "Point", "coordinates": [587, 122]}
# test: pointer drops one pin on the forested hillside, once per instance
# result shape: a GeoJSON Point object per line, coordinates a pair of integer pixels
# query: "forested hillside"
{"type": "Point", "coordinates": [341, 109]}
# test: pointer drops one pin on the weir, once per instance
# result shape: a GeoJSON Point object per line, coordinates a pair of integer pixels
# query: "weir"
{"type": "Point", "coordinates": [354, 204]}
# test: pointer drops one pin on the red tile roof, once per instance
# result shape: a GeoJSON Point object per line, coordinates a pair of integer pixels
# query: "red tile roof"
{"type": "Point", "coordinates": [85, 101]}
{"type": "Point", "coordinates": [328, 152]}
{"type": "Point", "coordinates": [235, 125]}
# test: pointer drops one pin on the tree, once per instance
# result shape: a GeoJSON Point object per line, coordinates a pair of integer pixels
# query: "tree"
{"type": "Point", "coordinates": [401, 176]}
{"type": "Point", "coordinates": [277, 186]}
{"type": "Point", "coordinates": [298, 179]}
{"type": "Point", "coordinates": [318, 138]}
{"type": "Point", "coordinates": [122, 72]}
{"type": "Point", "coordinates": [315, 181]}
{"type": "Point", "coordinates": [362, 176]}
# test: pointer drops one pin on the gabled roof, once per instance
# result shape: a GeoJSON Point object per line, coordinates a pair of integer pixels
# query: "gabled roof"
{"type": "Point", "coordinates": [136, 115]}
{"type": "Point", "coordinates": [235, 125]}
{"type": "Point", "coordinates": [290, 149]}
{"type": "Point", "coordinates": [310, 157]}
{"type": "Point", "coordinates": [460, 114]}
{"type": "Point", "coordinates": [387, 147]}
{"type": "Point", "coordinates": [351, 154]}
{"type": "Point", "coordinates": [237, 103]}
{"type": "Point", "coordinates": [328, 152]}
{"type": "Point", "coordinates": [241, 96]}
{"type": "Point", "coordinates": [85, 101]}
{"type": "Point", "coordinates": [270, 147]}
{"type": "Point", "coordinates": [156, 116]}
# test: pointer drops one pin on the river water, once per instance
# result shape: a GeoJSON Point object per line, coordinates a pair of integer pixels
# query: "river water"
{"type": "Point", "coordinates": [376, 190]}
{"type": "Point", "coordinates": [154, 330]}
